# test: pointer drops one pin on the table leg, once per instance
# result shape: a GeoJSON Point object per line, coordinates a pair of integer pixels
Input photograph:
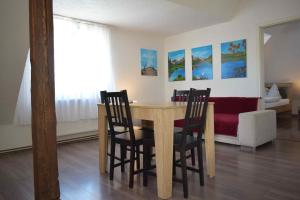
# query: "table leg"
{"type": "Point", "coordinates": [147, 124]}
{"type": "Point", "coordinates": [163, 130]}
{"type": "Point", "coordinates": [210, 142]}
{"type": "Point", "coordinates": [102, 128]}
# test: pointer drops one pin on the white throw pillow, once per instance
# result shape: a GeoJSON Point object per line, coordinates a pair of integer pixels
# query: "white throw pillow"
{"type": "Point", "coordinates": [266, 91]}
{"type": "Point", "coordinates": [274, 92]}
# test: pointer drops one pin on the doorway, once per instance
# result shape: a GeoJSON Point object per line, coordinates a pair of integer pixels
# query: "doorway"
{"type": "Point", "coordinates": [280, 60]}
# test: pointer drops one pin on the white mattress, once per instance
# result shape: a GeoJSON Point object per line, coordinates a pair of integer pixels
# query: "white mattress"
{"type": "Point", "coordinates": [281, 102]}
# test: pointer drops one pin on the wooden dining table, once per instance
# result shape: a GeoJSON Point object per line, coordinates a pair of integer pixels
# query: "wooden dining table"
{"type": "Point", "coordinates": [163, 116]}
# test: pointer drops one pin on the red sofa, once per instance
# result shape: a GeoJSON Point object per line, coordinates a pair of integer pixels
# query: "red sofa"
{"type": "Point", "coordinates": [238, 120]}
{"type": "Point", "coordinates": [226, 113]}
{"type": "Point", "coordinates": [227, 110]}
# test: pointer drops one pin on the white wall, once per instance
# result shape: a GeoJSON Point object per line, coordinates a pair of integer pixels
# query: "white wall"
{"type": "Point", "coordinates": [14, 44]}
{"type": "Point", "coordinates": [245, 25]}
{"type": "Point", "coordinates": [125, 55]}
{"type": "Point", "coordinates": [13, 137]}
{"type": "Point", "coordinates": [126, 61]}
{"type": "Point", "coordinates": [282, 53]}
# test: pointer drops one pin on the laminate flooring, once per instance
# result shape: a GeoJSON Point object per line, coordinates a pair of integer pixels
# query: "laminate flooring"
{"type": "Point", "coordinates": [271, 173]}
{"type": "Point", "coordinates": [288, 127]}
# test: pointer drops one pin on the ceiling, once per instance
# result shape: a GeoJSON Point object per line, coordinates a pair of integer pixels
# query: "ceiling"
{"type": "Point", "coordinates": [165, 17]}
{"type": "Point", "coordinates": [283, 28]}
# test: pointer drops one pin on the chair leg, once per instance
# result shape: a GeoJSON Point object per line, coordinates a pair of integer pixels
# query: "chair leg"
{"type": "Point", "coordinates": [138, 157]}
{"type": "Point", "coordinates": [150, 152]}
{"type": "Point", "coordinates": [122, 153]}
{"type": "Point", "coordinates": [146, 158]}
{"type": "Point", "coordinates": [131, 170]}
{"type": "Point", "coordinates": [112, 160]}
{"type": "Point", "coordinates": [200, 163]}
{"type": "Point", "coordinates": [193, 156]}
{"type": "Point", "coordinates": [125, 153]}
{"type": "Point", "coordinates": [184, 174]}
{"type": "Point", "coordinates": [174, 162]}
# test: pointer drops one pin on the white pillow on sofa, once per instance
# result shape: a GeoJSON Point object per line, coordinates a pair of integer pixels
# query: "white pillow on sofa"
{"type": "Point", "coordinates": [273, 92]}
{"type": "Point", "coordinates": [272, 95]}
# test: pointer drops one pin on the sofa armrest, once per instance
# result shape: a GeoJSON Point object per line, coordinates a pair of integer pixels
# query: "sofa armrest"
{"type": "Point", "coordinates": [257, 127]}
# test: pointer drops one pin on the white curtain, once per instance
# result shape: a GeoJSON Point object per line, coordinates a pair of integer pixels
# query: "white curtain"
{"type": "Point", "coordinates": [23, 108]}
{"type": "Point", "coordinates": [82, 69]}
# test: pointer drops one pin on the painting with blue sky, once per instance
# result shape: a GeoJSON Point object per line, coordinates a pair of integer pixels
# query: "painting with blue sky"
{"type": "Point", "coordinates": [234, 59]}
{"type": "Point", "coordinates": [202, 63]}
{"type": "Point", "coordinates": [176, 65]}
{"type": "Point", "coordinates": [148, 62]}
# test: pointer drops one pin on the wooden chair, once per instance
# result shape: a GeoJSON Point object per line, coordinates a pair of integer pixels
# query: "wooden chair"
{"type": "Point", "coordinates": [195, 118]}
{"type": "Point", "coordinates": [119, 116]}
{"type": "Point", "coordinates": [182, 96]}
{"type": "Point", "coordinates": [118, 131]}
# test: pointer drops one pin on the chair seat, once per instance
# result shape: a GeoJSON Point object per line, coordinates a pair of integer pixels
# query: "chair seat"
{"type": "Point", "coordinates": [179, 123]}
{"type": "Point", "coordinates": [122, 129]}
{"type": "Point", "coordinates": [140, 136]}
{"type": "Point", "coordinates": [190, 141]}
{"type": "Point", "coordinates": [226, 124]}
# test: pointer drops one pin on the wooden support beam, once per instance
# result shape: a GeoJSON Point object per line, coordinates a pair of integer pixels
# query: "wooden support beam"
{"type": "Point", "coordinates": [46, 182]}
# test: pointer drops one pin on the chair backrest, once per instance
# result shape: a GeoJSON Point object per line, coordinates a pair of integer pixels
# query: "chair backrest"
{"type": "Point", "coordinates": [195, 116]}
{"type": "Point", "coordinates": [118, 112]}
{"type": "Point", "coordinates": [180, 95]}
{"type": "Point", "coordinates": [101, 96]}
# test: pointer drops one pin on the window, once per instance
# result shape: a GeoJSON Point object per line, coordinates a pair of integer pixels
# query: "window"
{"type": "Point", "coordinates": [82, 68]}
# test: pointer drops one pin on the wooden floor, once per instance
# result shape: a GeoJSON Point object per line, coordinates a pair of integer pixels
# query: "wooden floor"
{"type": "Point", "coordinates": [272, 173]}
{"type": "Point", "coordinates": [288, 127]}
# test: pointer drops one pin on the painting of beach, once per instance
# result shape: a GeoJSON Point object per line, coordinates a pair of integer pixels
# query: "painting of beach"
{"type": "Point", "coordinates": [234, 59]}
{"type": "Point", "coordinates": [148, 62]}
{"type": "Point", "coordinates": [202, 63]}
{"type": "Point", "coordinates": [176, 65]}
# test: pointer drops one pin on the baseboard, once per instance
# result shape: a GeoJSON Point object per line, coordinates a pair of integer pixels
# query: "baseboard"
{"type": "Point", "coordinates": [78, 137]}
{"type": "Point", "coordinates": [226, 139]}
{"type": "Point", "coordinates": [15, 149]}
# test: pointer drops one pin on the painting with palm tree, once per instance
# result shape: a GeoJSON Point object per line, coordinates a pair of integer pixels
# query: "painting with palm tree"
{"type": "Point", "coordinates": [148, 62]}
{"type": "Point", "coordinates": [234, 59]}
{"type": "Point", "coordinates": [176, 65]}
{"type": "Point", "coordinates": [202, 63]}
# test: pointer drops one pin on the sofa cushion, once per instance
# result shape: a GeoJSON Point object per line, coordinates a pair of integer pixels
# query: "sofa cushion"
{"type": "Point", "coordinates": [234, 105]}
{"type": "Point", "coordinates": [179, 123]}
{"type": "Point", "coordinates": [226, 113]}
{"type": "Point", "coordinates": [226, 124]}
{"type": "Point", "coordinates": [249, 104]}
{"type": "Point", "coordinates": [180, 99]}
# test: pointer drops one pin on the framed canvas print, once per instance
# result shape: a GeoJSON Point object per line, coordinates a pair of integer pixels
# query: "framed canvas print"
{"type": "Point", "coordinates": [176, 65]}
{"type": "Point", "coordinates": [234, 59]}
{"type": "Point", "coordinates": [148, 62]}
{"type": "Point", "coordinates": [202, 64]}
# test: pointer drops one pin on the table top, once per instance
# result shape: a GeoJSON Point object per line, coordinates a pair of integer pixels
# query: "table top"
{"type": "Point", "coordinates": [164, 105]}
